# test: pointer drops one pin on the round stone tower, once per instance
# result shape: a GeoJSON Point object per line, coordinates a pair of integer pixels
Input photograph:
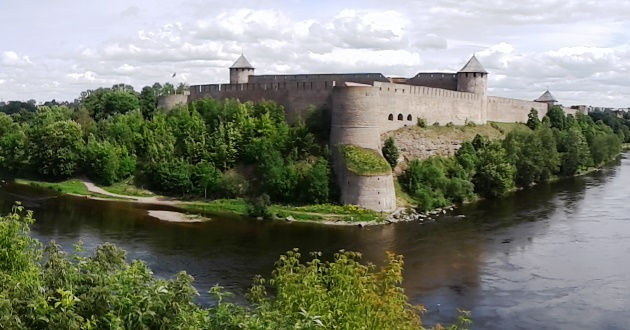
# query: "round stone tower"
{"type": "Point", "coordinates": [473, 78]}
{"type": "Point", "coordinates": [240, 71]}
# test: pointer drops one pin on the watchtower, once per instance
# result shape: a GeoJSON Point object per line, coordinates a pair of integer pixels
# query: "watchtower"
{"type": "Point", "coordinates": [473, 78]}
{"type": "Point", "coordinates": [547, 98]}
{"type": "Point", "coordinates": [240, 71]}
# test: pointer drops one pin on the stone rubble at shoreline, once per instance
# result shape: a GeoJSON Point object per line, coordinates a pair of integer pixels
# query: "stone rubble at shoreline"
{"type": "Point", "coordinates": [411, 214]}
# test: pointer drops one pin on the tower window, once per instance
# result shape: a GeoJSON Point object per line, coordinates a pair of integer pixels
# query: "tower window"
{"type": "Point", "coordinates": [391, 117]}
{"type": "Point", "coordinates": [400, 116]}
{"type": "Point", "coordinates": [409, 117]}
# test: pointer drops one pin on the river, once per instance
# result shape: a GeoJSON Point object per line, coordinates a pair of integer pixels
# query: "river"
{"type": "Point", "coordinates": [556, 256]}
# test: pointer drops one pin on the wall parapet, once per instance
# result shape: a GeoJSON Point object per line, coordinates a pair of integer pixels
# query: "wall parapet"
{"type": "Point", "coordinates": [424, 91]}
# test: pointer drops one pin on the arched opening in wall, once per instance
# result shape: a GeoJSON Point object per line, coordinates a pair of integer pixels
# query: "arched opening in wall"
{"type": "Point", "coordinates": [409, 118]}
{"type": "Point", "coordinates": [400, 116]}
{"type": "Point", "coordinates": [391, 117]}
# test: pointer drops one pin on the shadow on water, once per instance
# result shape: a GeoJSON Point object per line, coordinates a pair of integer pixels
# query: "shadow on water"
{"type": "Point", "coordinates": [479, 257]}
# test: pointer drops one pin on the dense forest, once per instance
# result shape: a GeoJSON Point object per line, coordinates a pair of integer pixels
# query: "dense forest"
{"type": "Point", "coordinates": [228, 149]}
{"type": "Point", "coordinates": [208, 149]}
{"type": "Point", "coordinates": [559, 146]}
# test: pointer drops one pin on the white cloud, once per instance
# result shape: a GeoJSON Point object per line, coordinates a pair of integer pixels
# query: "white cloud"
{"type": "Point", "coordinates": [11, 58]}
{"type": "Point", "coordinates": [576, 48]}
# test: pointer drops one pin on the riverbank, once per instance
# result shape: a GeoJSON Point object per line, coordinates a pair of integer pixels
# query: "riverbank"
{"type": "Point", "coordinates": [196, 210]}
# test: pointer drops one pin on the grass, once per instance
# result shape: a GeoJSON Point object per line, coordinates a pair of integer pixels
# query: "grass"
{"type": "Point", "coordinates": [363, 161]}
{"type": "Point", "coordinates": [72, 187]}
{"type": "Point", "coordinates": [323, 212]}
{"type": "Point", "coordinates": [127, 188]}
{"type": "Point", "coordinates": [231, 206]}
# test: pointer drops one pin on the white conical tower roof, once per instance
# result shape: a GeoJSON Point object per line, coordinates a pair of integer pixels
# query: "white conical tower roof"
{"type": "Point", "coordinates": [241, 63]}
{"type": "Point", "coordinates": [473, 66]}
{"type": "Point", "coordinates": [546, 97]}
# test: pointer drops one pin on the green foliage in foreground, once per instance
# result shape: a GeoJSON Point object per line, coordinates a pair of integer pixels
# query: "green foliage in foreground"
{"type": "Point", "coordinates": [364, 161]}
{"type": "Point", "coordinates": [45, 288]}
{"type": "Point", "coordinates": [559, 146]}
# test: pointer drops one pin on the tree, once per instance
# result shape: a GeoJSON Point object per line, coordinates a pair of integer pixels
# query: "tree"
{"type": "Point", "coordinates": [148, 102]}
{"type": "Point", "coordinates": [494, 175]}
{"type": "Point", "coordinates": [390, 151]}
{"type": "Point", "coordinates": [532, 119]}
{"type": "Point", "coordinates": [101, 162]}
{"type": "Point", "coordinates": [167, 89]}
{"type": "Point", "coordinates": [56, 149]}
{"type": "Point", "coordinates": [205, 177]}
{"type": "Point", "coordinates": [556, 117]}
{"type": "Point", "coordinates": [172, 176]}
{"type": "Point", "coordinates": [315, 183]}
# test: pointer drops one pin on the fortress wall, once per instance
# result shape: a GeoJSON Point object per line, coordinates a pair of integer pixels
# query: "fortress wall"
{"type": "Point", "coordinates": [371, 192]}
{"type": "Point", "coordinates": [168, 102]}
{"type": "Point", "coordinates": [294, 96]}
{"type": "Point", "coordinates": [507, 110]}
{"type": "Point", "coordinates": [436, 80]}
{"type": "Point", "coordinates": [355, 121]}
{"type": "Point", "coordinates": [363, 78]}
{"type": "Point", "coordinates": [570, 111]}
{"type": "Point", "coordinates": [401, 105]}
{"type": "Point", "coordinates": [354, 118]}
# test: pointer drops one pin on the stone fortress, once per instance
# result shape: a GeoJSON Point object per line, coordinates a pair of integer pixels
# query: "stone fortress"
{"type": "Point", "coordinates": [362, 106]}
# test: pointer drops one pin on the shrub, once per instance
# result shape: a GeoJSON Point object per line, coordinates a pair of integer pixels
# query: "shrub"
{"type": "Point", "coordinates": [233, 185]}
{"type": "Point", "coordinates": [390, 151]}
{"type": "Point", "coordinates": [436, 124]}
{"type": "Point", "coordinates": [450, 124]}
{"type": "Point", "coordinates": [471, 124]}
{"type": "Point", "coordinates": [259, 207]}
{"type": "Point", "coordinates": [422, 122]}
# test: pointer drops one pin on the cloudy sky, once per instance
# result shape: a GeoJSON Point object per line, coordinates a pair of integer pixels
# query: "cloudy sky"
{"type": "Point", "coordinates": [58, 48]}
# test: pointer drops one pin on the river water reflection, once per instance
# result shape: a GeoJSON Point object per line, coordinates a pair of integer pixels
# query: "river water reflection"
{"type": "Point", "coordinates": [551, 257]}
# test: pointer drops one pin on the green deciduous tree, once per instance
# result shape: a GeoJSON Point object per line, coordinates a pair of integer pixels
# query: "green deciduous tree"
{"type": "Point", "coordinates": [390, 152]}
{"type": "Point", "coordinates": [56, 149]}
{"type": "Point", "coordinates": [532, 119]}
{"type": "Point", "coordinates": [494, 175]}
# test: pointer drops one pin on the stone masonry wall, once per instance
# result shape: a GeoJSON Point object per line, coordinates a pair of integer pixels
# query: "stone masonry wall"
{"type": "Point", "coordinates": [401, 105]}
{"type": "Point", "coordinates": [512, 110]}
{"type": "Point", "coordinates": [168, 102]}
{"type": "Point", "coordinates": [295, 97]}
{"type": "Point", "coordinates": [355, 122]}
